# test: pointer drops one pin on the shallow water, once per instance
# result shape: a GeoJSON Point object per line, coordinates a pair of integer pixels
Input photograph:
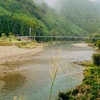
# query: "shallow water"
{"type": "Point", "coordinates": [31, 80]}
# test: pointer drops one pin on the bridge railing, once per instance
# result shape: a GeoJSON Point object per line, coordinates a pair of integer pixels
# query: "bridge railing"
{"type": "Point", "coordinates": [53, 37]}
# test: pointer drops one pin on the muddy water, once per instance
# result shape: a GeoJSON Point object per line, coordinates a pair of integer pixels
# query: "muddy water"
{"type": "Point", "coordinates": [31, 80]}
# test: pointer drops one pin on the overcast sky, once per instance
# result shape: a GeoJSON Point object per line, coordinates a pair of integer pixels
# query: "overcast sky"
{"type": "Point", "coordinates": [51, 3]}
{"type": "Point", "coordinates": [94, 0]}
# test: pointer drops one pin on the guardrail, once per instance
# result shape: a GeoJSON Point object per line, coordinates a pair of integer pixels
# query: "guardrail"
{"type": "Point", "coordinates": [54, 37]}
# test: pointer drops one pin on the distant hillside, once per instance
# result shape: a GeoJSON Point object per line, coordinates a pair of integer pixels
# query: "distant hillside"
{"type": "Point", "coordinates": [17, 16]}
{"type": "Point", "coordinates": [83, 13]}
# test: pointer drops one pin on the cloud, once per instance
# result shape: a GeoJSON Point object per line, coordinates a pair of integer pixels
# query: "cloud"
{"type": "Point", "coordinates": [39, 2]}
{"type": "Point", "coordinates": [94, 0]}
{"type": "Point", "coordinates": [51, 3]}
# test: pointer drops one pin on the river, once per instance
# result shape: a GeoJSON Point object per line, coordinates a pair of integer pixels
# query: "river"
{"type": "Point", "coordinates": [31, 80]}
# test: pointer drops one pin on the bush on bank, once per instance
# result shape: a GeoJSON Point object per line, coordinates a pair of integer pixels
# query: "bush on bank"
{"type": "Point", "coordinates": [90, 88]}
{"type": "Point", "coordinates": [96, 59]}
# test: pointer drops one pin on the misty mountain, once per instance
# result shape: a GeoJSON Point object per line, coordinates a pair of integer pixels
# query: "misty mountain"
{"type": "Point", "coordinates": [17, 16]}
{"type": "Point", "coordinates": [83, 13]}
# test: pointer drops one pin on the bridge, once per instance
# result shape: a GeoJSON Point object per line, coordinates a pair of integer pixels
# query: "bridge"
{"type": "Point", "coordinates": [53, 37]}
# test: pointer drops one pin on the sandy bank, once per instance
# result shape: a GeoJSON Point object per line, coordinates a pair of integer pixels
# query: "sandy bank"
{"type": "Point", "coordinates": [80, 44]}
{"type": "Point", "coordinates": [14, 54]}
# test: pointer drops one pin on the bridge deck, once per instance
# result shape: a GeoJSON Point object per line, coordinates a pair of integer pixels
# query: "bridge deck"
{"type": "Point", "coordinates": [54, 37]}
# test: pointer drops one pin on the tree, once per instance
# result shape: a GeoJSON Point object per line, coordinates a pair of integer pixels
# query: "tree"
{"type": "Point", "coordinates": [96, 59]}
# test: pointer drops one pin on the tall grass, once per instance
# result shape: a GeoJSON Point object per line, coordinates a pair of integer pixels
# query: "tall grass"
{"type": "Point", "coordinates": [53, 71]}
{"type": "Point", "coordinates": [19, 98]}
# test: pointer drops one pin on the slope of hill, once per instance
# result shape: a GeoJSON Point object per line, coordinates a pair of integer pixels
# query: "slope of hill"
{"type": "Point", "coordinates": [17, 16]}
{"type": "Point", "coordinates": [83, 13]}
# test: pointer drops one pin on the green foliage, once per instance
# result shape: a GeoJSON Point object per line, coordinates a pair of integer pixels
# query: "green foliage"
{"type": "Point", "coordinates": [96, 59]}
{"type": "Point", "coordinates": [3, 43]}
{"type": "Point", "coordinates": [94, 37]}
{"type": "Point", "coordinates": [17, 16]}
{"type": "Point", "coordinates": [83, 13]}
{"type": "Point", "coordinates": [97, 43]}
{"type": "Point", "coordinates": [89, 90]}
{"type": "Point", "coordinates": [3, 35]}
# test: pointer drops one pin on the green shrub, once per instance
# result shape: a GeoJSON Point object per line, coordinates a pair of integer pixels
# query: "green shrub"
{"type": "Point", "coordinates": [11, 34]}
{"type": "Point", "coordinates": [2, 43]}
{"type": "Point", "coordinates": [96, 59]}
{"type": "Point", "coordinates": [97, 43]}
{"type": "Point", "coordinates": [3, 35]}
{"type": "Point", "coordinates": [75, 91]}
{"type": "Point", "coordinates": [63, 96]}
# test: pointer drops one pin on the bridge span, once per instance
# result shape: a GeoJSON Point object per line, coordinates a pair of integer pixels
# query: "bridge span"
{"type": "Point", "coordinates": [53, 37]}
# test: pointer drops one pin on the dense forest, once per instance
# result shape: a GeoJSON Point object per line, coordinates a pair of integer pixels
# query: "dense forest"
{"type": "Point", "coordinates": [74, 18]}
{"type": "Point", "coordinates": [17, 16]}
{"type": "Point", "coordinates": [83, 13]}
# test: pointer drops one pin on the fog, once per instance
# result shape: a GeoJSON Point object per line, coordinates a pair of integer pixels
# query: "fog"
{"type": "Point", "coordinates": [54, 3]}
{"type": "Point", "coordinates": [51, 3]}
{"type": "Point", "coordinates": [94, 0]}
{"type": "Point", "coordinates": [38, 2]}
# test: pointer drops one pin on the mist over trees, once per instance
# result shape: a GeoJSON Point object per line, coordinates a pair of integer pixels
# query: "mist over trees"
{"type": "Point", "coordinates": [71, 17]}
{"type": "Point", "coordinates": [83, 13]}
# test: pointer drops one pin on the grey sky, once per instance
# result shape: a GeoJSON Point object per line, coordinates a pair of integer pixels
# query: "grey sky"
{"type": "Point", "coordinates": [93, 0]}
{"type": "Point", "coordinates": [51, 3]}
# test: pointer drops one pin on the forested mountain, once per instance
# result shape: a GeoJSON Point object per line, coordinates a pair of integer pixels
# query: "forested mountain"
{"type": "Point", "coordinates": [83, 13]}
{"type": "Point", "coordinates": [74, 17]}
{"type": "Point", "coordinates": [17, 16]}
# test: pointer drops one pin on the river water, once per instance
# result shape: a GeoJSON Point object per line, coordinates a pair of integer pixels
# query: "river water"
{"type": "Point", "coordinates": [31, 80]}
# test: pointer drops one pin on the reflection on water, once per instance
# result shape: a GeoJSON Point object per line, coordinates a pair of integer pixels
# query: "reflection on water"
{"type": "Point", "coordinates": [12, 81]}
{"type": "Point", "coordinates": [31, 80]}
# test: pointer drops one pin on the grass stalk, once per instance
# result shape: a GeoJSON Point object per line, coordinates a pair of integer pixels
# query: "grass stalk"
{"type": "Point", "coordinates": [53, 72]}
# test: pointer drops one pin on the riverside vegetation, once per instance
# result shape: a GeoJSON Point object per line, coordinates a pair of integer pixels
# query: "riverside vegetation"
{"type": "Point", "coordinates": [90, 88]}
{"type": "Point", "coordinates": [17, 16]}
{"type": "Point", "coordinates": [13, 40]}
